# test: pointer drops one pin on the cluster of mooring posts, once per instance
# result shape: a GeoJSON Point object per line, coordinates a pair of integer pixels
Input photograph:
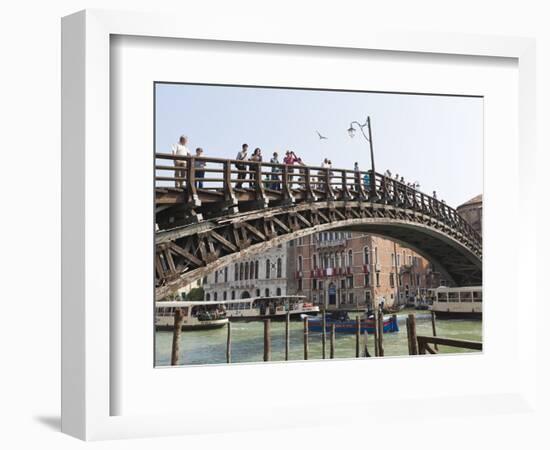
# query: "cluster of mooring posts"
{"type": "Point", "coordinates": [417, 345]}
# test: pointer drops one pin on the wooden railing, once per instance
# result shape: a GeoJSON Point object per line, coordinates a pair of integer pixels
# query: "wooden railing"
{"type": "Point", "coordinates": [425, 341]}
{"type": "Point", "coordinates": [226, 179]}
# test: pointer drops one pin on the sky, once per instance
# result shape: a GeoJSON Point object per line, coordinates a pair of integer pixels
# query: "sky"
{"type": "Point", "coordinates": [434, 140]}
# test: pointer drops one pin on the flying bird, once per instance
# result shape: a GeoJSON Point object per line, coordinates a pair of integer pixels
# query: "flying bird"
{"type": "Point", "coordinates": [321, 136]}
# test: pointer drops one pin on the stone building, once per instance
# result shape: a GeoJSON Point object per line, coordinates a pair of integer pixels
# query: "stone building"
{"type": "Point", "coordinates": [260, 275]}
{"type": "Point", "coordinates": [472, 212]}
{"type": "Point", "coordinates": [344, 270]}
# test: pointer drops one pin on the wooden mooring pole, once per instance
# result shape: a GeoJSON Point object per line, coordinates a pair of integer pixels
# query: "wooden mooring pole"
{"type": "Point", "coordinates": [306, 339]}
{"type": "Point", "coordinates": [267, 340]}
{"type": "Point", "coordinates": [411, 335]}
{"type": "Point", "coordinates": [332, 340]}
{"type": "Point", "coordinates": [376, 331]}
{"type": "Point", "coordinates": [381, 333]}
{"type": "Point", "coordinates": [357, 337]}
{"type": "Point", "coordinates": [176, 337]}
{"type": "Point", "coordinates": [324, 335]}
{"type": "Point", "coordinates": [433, 329]}
{"type": "Point", "coordinates": [287, 336]}
{"type": "Point", "coordinates": [228, 347]}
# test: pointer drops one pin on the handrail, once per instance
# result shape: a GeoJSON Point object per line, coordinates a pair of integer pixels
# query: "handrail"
{"type": "Point", "coordinates": [314, 182]}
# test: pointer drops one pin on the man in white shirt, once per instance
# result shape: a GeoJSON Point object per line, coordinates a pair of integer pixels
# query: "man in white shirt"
{"type": "Point", "coordinates": [180, 149]}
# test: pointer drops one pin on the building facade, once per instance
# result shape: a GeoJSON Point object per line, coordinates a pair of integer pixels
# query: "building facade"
{"type": "Point", "coordinates": [344, 270]}
{"type": "Point", "coordinates": [262, 275]}
{"type": "Point", "coordinates": [472, 212]}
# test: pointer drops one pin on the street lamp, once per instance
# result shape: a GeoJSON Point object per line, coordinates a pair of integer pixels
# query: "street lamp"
{"type": "Point", "coordinates": [351, 132]}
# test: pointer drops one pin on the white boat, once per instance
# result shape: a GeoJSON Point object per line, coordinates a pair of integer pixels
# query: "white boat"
{"type": "Point", "coordinates": [458, 302]}
{"type": "Point", "coordinates": [275, 307]}
{"type": "Point", "coordinates": [196, 315]}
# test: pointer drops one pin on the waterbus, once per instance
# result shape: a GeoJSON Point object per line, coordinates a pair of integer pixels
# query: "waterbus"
{"type": "Point", "coordinates": [196, 315]}
{"type": "Point", "coordinates": [458, 302]}
{"type": "Point", "coordinates": [273, 307]}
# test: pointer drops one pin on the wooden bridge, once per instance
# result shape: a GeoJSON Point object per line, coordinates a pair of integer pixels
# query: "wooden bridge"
{"type": "Point", "coordinates": [210, 210]}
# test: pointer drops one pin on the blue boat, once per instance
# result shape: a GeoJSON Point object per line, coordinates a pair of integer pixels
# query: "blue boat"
{"type": "Point", "coordinates": [343, 324]}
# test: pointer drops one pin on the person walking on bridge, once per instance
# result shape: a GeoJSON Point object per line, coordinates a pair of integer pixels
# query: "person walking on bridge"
{"type": "Point", "coordinates": [256, 157]}
{"type": "Point", "coordinates": [180, 149]}
{"type": "Point", "coordinates": [241, 175]}
{"type": "Point", "coordinates": [199, 168]}
{"type": "Point", "coordinates": [275, 185]}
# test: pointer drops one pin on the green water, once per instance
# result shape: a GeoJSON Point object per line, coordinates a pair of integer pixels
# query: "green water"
{"type": "Point", "coordinates": [208, 346]}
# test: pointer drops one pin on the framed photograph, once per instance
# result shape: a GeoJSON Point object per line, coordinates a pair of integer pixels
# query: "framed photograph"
{"type": "Point", "coordinates": [279, 222]}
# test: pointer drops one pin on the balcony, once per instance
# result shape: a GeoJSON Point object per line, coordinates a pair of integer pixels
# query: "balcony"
{"type": "Point", "coordinates": [406, 268]}
{"type": "Point", "coordinates": [331, 243]}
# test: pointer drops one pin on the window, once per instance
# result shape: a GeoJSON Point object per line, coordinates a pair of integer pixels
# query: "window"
{"type": "Point", "coordinates": [367, 280]}
{"type": "Point", "coordinates": [342, 284]}
{"type": "Point", "coordinates": [314, 283]}
{"type": "Point", "coordinates": [350, 282]}
{"type": "Point", "coordinates": [232, 295]}
{"type": "Point", "coordinates": [300, 263]}
{"type": "Point", "coordinates": [315, 261]}
{"type": "Point", "coordinates": [410, 260]}
{"type": "Point", "coordinates": [225, 271]}
{"type": "Point", "coordinates": [268, 269]}
{"type": "Point", "coordinates": [378, 279]}
{"type": "Point", "coordinates": [332, 261]}
{"type": "Point", "coordinates": [251, 270]}
{"type": "Point", "coordinates": [393, 260]}
{"type": "Point", "coordinates": [225, 295]}
{"type": "Point", "coordinates": [215, 296]}
{"type": "Point", "coordinates": [241, 271]}
{"type": "Point", "coordinates": [398, 260]}
{"type": "Point", "coordinates": [246, 270]}
{"type": "Point", "coordinates": [350, 258]}
{"type": "Point", "coordinates": [376, 255]}
{"type": "Point", "coordinates": [338, 260]}
{"type": "Point", "coordinates": [366, 255]}
{"type": "Point", "coordinates": [257, 292]}
{"type": "Point", "coordinates": [280, 268]}
{"type": "Point", "coordinates": [300, 284]}
{"type": "Point", "coordinates": [236, 272]}
{"type": "Point", "coordinates": [267, 292]}
{"type": "Point", "coordinates": [392, 280]}
{"type": "Point", "coordinates": [279, 291]}
{"type": "Point", "coordinates": [321, 284]}
{"type": "Point", "coordinates": [216, 276]}
{"type": "Point", "coordinates": [257, 268]}
{"type": "Point", "coordinates": [343, 298]}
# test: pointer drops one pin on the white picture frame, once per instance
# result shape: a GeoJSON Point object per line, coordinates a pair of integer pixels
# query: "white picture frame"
{"type": "Point", "coordinates": [87, 354]}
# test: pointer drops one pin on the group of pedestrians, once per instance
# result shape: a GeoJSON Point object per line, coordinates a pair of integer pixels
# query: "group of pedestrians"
{"type": "Point", "coordinates": [273, 180]}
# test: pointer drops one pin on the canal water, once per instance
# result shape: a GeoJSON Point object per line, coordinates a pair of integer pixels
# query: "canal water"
{"type": "Point", "coordinates": [208, 346]}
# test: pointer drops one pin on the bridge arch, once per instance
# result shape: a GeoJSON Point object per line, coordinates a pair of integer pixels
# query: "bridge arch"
{"type": "Point", "coordinates": [200, 231]}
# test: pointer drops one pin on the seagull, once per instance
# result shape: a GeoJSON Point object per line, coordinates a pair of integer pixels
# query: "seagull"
{"type": "Point", "coordinates": [321, 136]}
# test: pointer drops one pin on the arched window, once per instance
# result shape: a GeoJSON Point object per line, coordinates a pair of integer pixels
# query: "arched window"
{"type": "Point", "coordinates": [350, 258]}
{"type": "Point", "coordinates": [268, 269]}
{"type": "Point", "coordinates": [246, 270]}
{"type": "Point", "coordinates": [225, 274]}
{"type": "Point", "coordinates": [216, 276]}
{"type": "Point", "coordinates": [236, 271]}
{"type": "Point", "coordinates": [241, 271]}
{"type": "Point", "coordinates": [257, 268]}
{"type": "Point", "coordinates": [208, 297]}
{"type": "Point", "coordinates": [267, 292]}
{"type": "Point", "coordinates": [215, 296]}
{"type": "Point", "coordinates": [257, 293]}
{"type": "Point", "coordinates": [366, 255]}
{"type": "Point", "coordinates": [278, 291]}
{"type": "Point", "coordinates": [225, 295]}
{"type": "Point", "coordinates": [251, 270]}
{"type": "Point", "coordinates": [232, 295]}
{"type": "Point", "coordinates": [280, 268]}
